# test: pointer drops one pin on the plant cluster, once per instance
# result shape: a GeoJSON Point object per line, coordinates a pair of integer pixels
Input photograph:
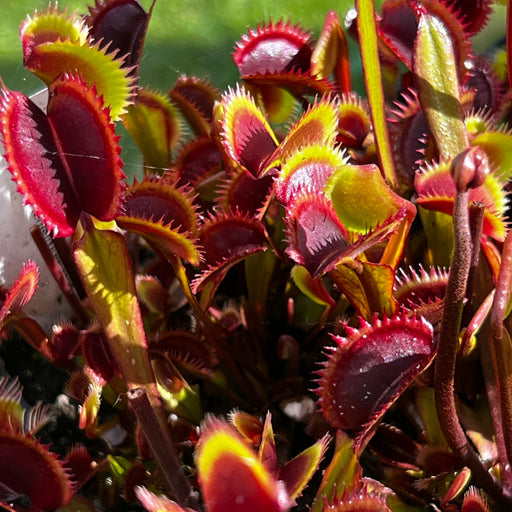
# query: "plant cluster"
{"type": "Point", "coordinates": [303, 298]}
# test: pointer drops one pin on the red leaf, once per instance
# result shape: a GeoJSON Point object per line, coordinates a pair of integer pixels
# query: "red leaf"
{"type": "Point", "coordinates": [229, 238]}
{"type": "Point", "coordinates": [231, 476]}
{"type": "Point", "coordinates": [29, 468]}
{"type": "Point", "coordinates": [246, 134]}
{"type": "Point", "coordinates": [32, 156]}
{"type": "Point", "coordinates": [316, 237]}
{"type": "Point", "coordinates": [366, 372]}
{"type": "Point", "coordinates": [195, 98]}
{"type": "Point", "coordinates": [91, 155]}
{"type": "Point", "coordinates": [273, 48]}
{"type": "Point", "coordinates": [21, 291]}
{"type": "Point", "coordinates": [120, 24]}
{"type": "Point", "coordinates": [98, 356]}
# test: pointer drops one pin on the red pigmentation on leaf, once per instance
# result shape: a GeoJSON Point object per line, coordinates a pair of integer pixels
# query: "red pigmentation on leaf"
{"type": "Point", "coordinates": [21, 291]}
{"type": "Point", "coordinates": [231, 475]}
{"type": "Point", "coordinates": [60, 169]}
{"type": "Point", "coordinates": [366, 372]}
{"type": "Point", "coordinates": [29, 468]}
{"type": "Point", "coordinates": [316, 237]}
{"type": "Point", "coordinates": [227, 239]}
{"type": "Point", "coordinates": [120, 24]}
{"type": "Point", "coordinates": [273, 48]}
{"type": "Point", "coordinates": [195, 98]}
{"type": "Point", "coordinates": [91, 154]}
{"type": "Point", "coordinates": [32, 157]}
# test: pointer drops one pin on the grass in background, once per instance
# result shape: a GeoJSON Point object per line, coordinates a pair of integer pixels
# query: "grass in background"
{"type": "Point", "coordinates": [195, 37]}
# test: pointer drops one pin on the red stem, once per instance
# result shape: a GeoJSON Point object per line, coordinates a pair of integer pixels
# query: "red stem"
{"type": "Point", "coordinates": [162, 446]}
{"type": "Point", "coordinates": [499, 341]}
{"type": "Point", "coordinates": [58, 274]}
{"type": "Point", "coordinates": [447, 353]}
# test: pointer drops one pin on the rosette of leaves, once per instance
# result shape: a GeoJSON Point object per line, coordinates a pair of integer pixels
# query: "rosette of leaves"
{"type": "Point", "coordinates": [299, 202]}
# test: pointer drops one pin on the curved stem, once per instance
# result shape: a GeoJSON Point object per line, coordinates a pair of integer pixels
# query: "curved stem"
{"type": "Point", "coordinates": [499, 341]}
{"type": "Point", "coordinates": [447, 352]}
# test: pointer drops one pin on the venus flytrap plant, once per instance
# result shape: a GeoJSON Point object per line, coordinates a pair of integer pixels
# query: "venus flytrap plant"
{"type": "Point", "coordinates": [262, 215]}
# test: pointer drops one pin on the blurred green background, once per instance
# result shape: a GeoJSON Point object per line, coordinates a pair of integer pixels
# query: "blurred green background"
{"type": "Point", "coordinates": [193, 37]}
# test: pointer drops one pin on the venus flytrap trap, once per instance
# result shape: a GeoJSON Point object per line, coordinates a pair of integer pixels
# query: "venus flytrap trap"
{"type": "Point", "coordinates": [302, 298]}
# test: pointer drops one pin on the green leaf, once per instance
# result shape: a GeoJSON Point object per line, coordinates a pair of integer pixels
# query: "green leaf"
{"type": "Point", "coordinates": [297, 472]}
{"type": "Point", "coordinates": [435, 70]}
{"type": "Point", "coordinates": [369, 289]}
{"type": "Point", "coordinates": [311, 287]}
{"type": "Point", "coordinates": [373, 81]}
{"type": "Point", "coordinates": [155, 126]}
{"type": "Point", "coordinates": [363, 201]}
{"type": "Point", "coordinates": [343, 473]}
{"type": "Point", "coordinates": [105, 269]}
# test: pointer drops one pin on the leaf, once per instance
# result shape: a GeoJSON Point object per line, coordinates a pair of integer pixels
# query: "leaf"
{"type": "Point", "coordinates": [309, 168]}
{"type": "Point", "coordinates": [196, 161]}
{"type": "Point", "coordinates": [120, 25]}
{"type": "Point", "coordinates": [195, 98]}
{"type": "Point", "coordinates": [246, 135]}
{"type": "Point", "coordinates": [317, 126]}
{"type": "Point", "coordinates": [106, 271]}
{"type": "Point", "coordinates": [435, 70]}
{"type": "Point", "coordinates": [416, 288]}
{"type": "Point", "coordinates": [296, 83]}
{"type": "Point", "coordinates": [32, 157]}
{"type": "Point", "coordinates": [316, 238]}
{"type": "Point", "coordinates": [360, 500]}
{"type": "Point", "coordinates": [244, 193]}
{"type": "Point", "coordinates": [154, 503]}
{"type": "Point", "coordinates": [248, 426]}
{"type": "Point", "coordinates": [367, 371]}
{"type": "Point", "coordinates": [93, 162]}
{"type": "Point", "coordinates": [343, 474]}
{"type": "Point", "coordinates": [297, 472]}
{"type": "Point", "coordinates": [498, 147]}
{"type": "Point", "coordinates": [273, 48]}
{"type": "Point", "coordinates": [458, 485]}
{"type": "Point", "coordinates": [369, 288]}
{"type": "Point", "coordinates": [227, 239]}
{"type": "Point", "coordinates": [51, 162]}
{"type": "Point", "coordinates": [64, 342]}
{"type": "Point", "coordinates": [154, 125]}
{"type": "Point", "coordinates": [373, 82]}
{"type": "Point", "coordinates": [436, 191]}
{"type": "Point", "coordinates": [49, 26]}
{"type": "Point", "coordinates": [20, 292]}
{"type": "Point", "coordinates": [187, 350]}
{"type": "Point", "coordinates": [267, 451]}
{"type": "Point", "coordinates": [97, 68]}
{"type": "Point", "coordinates": [363, 200]}
{"type": "Point", "coordinates": [11, 411]}
{"type": "Point", "coordinates": [312, 288]}
{"type": "Point", "coordinates": [49, 487]}
{"type": "Point", "coordinates": [474, 502]}
{"type": "Point", "coordinates": [231, 476]}
{"type": "Point", "coordinates": [354, 125]}
{"type": "Point", "coordinates": [163, 214]}
{"type": "Point", "coordinates": [474, 16]}
{"type": "Point", "coordinates": [97, 356]}
{"type": "Point", "coordinates": [330, 55]}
